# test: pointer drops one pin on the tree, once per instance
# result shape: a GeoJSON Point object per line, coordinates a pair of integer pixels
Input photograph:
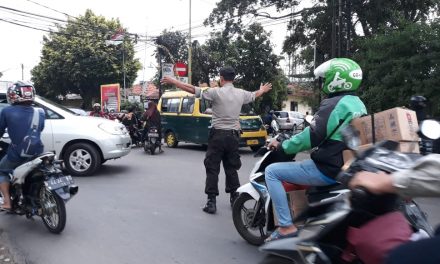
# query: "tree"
{"type": "Point", "coordinates": [314, 24]}
{"type": "Point", "coordinates": [400, 63]}
{"type": "Point", "coordinates": [76, 59]}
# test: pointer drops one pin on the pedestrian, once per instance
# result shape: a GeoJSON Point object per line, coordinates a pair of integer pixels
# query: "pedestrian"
{"type": "Point", "coordinates": [152, 118]}
{"type": "Point", "coordinates": [20, 118]}
{"type": "Point", "coordinates": [224, 135]}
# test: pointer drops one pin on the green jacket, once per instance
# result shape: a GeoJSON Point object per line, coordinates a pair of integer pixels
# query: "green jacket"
{"type": "Point", "coordinates": [339, 107]}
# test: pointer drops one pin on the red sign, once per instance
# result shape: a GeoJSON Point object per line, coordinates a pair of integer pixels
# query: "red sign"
{"type": "Point", "coordinates": [181, 69]}
{"type": "Point", "coordinates": [110, 98]}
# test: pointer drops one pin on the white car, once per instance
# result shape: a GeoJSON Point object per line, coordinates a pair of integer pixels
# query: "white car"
{"type": "Point", "coordinates": [82, 142]}
{"type": "Point", "coordinates": [289, 120]}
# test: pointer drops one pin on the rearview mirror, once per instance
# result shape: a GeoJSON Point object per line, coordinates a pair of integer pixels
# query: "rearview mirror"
{"type": "Point", "coordinates": [275, 126]}
{"type": "Point", "coordinates": [430, 129]}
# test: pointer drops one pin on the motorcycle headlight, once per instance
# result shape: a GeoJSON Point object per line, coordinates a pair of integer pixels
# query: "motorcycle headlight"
{"type": "Point", "coordinates": [113, 129]}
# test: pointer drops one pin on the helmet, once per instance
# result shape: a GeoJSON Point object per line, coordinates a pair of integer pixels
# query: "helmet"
{"type": "Point", "coordinates": [96, 105]}
{"type": "Point", "coordinates": [21, 92]}
{"type": "Point", "coordinates": [340, 74]}
{"type": "Point", "coordinates": [418, 102]}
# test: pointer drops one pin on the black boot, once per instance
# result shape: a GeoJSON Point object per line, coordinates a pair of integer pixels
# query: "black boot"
{"type": "Point", "coordinates": [210, 206]}
{"type": "Point", "coordinates": [233, 197]}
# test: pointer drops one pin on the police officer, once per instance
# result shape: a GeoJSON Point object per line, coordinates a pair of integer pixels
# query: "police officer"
{"type": "Point", "coordinates": [224, 134]}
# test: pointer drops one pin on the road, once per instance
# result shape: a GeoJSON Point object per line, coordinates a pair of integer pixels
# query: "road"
{"type": "Point", "coordinates": [144, 209]}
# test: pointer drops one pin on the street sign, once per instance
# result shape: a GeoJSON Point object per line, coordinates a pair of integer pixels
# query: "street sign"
{"type": "Point", "coordinates": [181, 69]}
{"type": "Point", "coordinates": [168, 70]}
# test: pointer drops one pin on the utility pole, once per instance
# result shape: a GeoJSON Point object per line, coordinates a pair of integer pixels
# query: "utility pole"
{"type": "Point", "coordinates": [340, 29]}
{"type": "Point", "coordinates": [189, 47]}
{"type": "Point", "coordinates": [22, 71]}
{"type": "Point", "coordinates": [333, 51]}
{"type": "Point", "coordinates": [348, 25]}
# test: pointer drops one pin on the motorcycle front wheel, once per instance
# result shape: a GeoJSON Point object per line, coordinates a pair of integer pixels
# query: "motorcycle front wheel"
{"type": "Point", "coordinates": [53, 210]}
{"type": "Point", "coordinates": [243, 211]}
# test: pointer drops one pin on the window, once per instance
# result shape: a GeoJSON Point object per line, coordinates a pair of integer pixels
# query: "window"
{"type": "Point", "coordinates": [293, 106]}
{"type": "Point", "coordinates": [170, 105]}
{"type": "Point", "coordinates": [283, 114]}
{"type": "Point", "coordinates": [187, 105]}
{"type": "Point", "coordinates": [205, 106]}
{"type": "Point", "coordinates": [49, 114]}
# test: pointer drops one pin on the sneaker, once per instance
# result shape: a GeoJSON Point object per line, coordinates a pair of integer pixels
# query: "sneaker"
{"type": "Point", "coordinates": [210, 206]}
{"type": "Point", "coordinates": [233, 197]}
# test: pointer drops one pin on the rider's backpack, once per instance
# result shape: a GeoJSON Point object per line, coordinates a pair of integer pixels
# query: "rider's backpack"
{"type": "Point", "coordinates": [31, 144]}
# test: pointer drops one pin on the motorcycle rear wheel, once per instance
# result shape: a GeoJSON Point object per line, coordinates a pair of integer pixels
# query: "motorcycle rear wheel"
{"type": "Point", "coordinates": [53, 210]}
{"type": "Point", "coordinates": [243, 210]}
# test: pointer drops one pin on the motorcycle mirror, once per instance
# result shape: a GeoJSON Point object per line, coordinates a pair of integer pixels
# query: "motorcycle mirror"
{"type": "Point", "coordinates": [275, 126]}
{"type": "Point", "coordinates": [308, 119]}
{"type": "Point", "coordinates": [351, 137]}
{"type": "Point", "coordinates": [430, 129]}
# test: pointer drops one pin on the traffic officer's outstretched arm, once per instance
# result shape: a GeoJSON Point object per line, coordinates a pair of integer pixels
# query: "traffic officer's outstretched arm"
{"type": "Point", "coordinates": [181, 85]}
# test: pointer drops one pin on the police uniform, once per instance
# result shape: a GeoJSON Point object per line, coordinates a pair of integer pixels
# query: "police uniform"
{"type": "Point", "coordinates": [224, 135]}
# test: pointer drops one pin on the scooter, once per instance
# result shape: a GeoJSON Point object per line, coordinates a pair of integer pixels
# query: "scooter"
{"type": "Point", "coordinates": [323, 237]}
{"type": "Point", "coordinates": [152, 141]}
{"type": "Point", "coordinates": [252, 212]}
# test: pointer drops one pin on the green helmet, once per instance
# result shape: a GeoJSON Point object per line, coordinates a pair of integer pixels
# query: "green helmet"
{"type": "Point", "coordinates": [340, 74]}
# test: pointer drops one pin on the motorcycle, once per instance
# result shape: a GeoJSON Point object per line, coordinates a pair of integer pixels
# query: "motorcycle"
{"type": "Point", "coordinates": [252, 212]}
{"type": "Point", "coordinates": [152, 141]}
{"type": "Point", "coordinates": [39, 188]}
{"type": "Point", "coordinates": [323, 237]}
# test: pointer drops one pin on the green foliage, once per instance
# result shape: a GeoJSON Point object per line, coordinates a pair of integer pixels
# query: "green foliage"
{"type": "Point", "coordinates": [76, 59]}
{"type": "Point", "coordinates": [251, 55]}
{"type": "Point", "coordinates": [125, 105]}
{"type": "Point", "coordinates": [400, 63]}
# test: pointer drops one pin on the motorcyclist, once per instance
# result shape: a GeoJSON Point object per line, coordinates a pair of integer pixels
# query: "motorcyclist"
{"type": "Point", "coordinates": [130, 121]}
{"type": "Point", "coordinates": [152, 117]}
{"type": "Point", "coordinates": [342, 78]}
{"type": "Point", "coordinates": [17, 118]}
{"type": "Point", "coordinates": [96, 112]}
{"type": "Point", "coordinates": [422, 180]}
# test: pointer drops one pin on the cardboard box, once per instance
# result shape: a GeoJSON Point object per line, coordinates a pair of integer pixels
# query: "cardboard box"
{"type": "Point", "coordinates": [398, 124]}
{"type": "Point", "coordinates": [409, 147]}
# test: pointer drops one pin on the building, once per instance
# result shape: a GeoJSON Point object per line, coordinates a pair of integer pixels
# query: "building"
{"type": "Point", "coordinates": [299, 96]}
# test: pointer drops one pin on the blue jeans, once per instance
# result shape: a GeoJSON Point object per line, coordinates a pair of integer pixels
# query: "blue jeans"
{"type": "Point", "coordinates": [303, 172]}
{"type": "Point", "coordinates": [6, 167]}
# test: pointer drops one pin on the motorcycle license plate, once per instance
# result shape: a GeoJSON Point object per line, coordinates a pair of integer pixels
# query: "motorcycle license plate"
{"type": "Point", "coordinates": [153, 134]}
{"type": "Point", "coordinates": [56, 183]}
{"type": "Point", "coordinates": [252, 142]}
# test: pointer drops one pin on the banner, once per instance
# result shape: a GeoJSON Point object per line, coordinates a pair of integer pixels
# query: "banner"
{"type": "Point", "coordinates": [110, 97]}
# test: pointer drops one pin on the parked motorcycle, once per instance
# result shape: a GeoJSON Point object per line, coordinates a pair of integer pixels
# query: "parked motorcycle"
{"type": "Point", "coordinates": [323, 237]}
{"type": "Point", "coordinates": [152, 141]}
{"type": "Point", "coordinates": [252, 212]}
{"type": "Point", "coordinates": [39, 188]}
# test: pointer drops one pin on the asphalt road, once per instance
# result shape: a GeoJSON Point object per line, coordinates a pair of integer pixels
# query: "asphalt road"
{"type": "Point", "coordinates": [145, 209]}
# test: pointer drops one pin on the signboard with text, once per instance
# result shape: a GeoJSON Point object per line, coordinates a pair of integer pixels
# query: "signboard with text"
{"type": "Point", "coordinates": [110, 97]}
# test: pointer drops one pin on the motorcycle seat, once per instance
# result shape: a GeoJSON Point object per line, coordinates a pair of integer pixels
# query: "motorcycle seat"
{"type": "Point", "coordinates": [322, 189]}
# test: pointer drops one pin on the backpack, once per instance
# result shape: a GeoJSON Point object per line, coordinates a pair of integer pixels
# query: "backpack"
{"type": "Point", "coordinates": [31, 144]}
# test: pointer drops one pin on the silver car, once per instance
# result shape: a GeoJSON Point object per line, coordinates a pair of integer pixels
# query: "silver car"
{"type": "Point", "coordinates": [82, 142]}
{"type": "Point", "coordinates": [289, 120]}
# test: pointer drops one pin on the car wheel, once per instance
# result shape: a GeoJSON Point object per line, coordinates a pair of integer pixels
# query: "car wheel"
{"type": "Point", "coordinates": [171, 140]}
{"type": "Point", "coordinates": [82, 159]}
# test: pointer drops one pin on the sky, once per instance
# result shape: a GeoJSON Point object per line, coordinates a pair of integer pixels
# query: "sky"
{"type": "Point", "coordinates": [22, 46]}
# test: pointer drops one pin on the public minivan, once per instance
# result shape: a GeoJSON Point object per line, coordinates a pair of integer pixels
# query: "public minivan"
{"type": "Point", "coordinates": [186, 118]}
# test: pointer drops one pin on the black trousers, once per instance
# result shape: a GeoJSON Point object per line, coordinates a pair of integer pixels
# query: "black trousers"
{"type": "Point", "coordinates": [222, 147]}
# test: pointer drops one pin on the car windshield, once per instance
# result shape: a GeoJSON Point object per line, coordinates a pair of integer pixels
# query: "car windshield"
{"type": "Point", "coordinates": [62, 107]}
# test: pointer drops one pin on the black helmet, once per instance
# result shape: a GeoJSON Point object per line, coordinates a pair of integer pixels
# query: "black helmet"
{"type": "Point", "coordinates": [21, 92]}
{"type": "Point", "coordinates": [418, 102]}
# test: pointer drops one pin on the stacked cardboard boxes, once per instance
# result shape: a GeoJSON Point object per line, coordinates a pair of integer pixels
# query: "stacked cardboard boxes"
{"type": "Point", "coordinates": [398, 124]}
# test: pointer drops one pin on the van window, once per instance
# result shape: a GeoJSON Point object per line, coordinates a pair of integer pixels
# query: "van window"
{"type": "Point", "coordinates": [205, 106]}
{"type": "Point", "coordinates": [170, 105]}
{"type": "Point", "coordinates": [187, 105]}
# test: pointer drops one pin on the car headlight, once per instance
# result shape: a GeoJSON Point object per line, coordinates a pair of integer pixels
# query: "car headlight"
{"type": "Point", "coordinates": [113, 129]}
